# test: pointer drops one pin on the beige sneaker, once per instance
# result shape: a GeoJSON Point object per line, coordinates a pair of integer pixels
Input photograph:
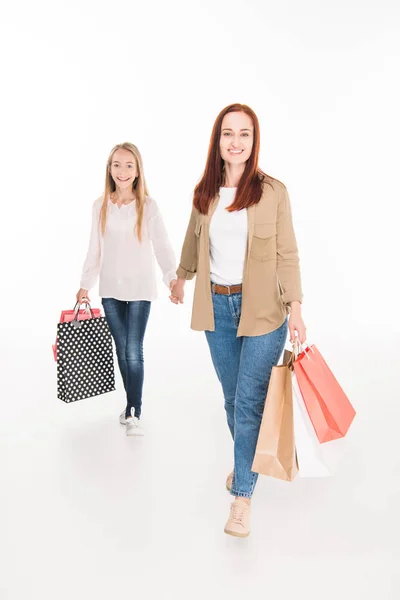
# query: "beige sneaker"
{"type": "Point", "coordinates": [239, 520]}
{"type": "Point", "coordinates": [229, 480]}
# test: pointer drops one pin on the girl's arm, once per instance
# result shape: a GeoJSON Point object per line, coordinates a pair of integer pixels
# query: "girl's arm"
{"type": "Point", "coordinates": [91, 267]}
{"type": "Point", "coordinates": [162, 246]}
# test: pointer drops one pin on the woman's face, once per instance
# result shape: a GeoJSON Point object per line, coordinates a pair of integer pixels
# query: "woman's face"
{"type": "Point", "coordinates": [123, 168]}
{"type": "Point", "coordinates": [237, 134]}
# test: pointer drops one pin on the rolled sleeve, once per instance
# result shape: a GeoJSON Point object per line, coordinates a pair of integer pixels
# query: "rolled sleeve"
{"type": "Point", "coordinates": [189, 255]}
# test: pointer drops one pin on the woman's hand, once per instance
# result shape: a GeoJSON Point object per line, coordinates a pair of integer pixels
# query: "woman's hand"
{"type": "Point", "coordinates": [296, 323]}
{"type": "Point", "coordinates": [82, 296]}
{"type": "Point", "coordinates": [177, 291]}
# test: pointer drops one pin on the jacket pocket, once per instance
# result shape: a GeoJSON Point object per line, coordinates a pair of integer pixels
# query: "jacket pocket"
{"type": "Point", "coordinates": [263, 244]}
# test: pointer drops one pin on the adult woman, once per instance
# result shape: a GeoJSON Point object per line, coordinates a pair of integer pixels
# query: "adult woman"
{"type": "Point", "coordinates": [248, 280]}
{"type": "Point", "coordinates": [126, 222]}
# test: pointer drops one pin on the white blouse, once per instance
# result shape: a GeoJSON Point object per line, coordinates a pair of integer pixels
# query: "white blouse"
{"type": "Point", "coordinates": [125, 265]}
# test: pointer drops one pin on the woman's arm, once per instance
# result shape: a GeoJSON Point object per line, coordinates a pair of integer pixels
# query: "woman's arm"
{"type": "Point", "coordinates": [287, 264]}
{"type": "Point", "coordinates": [188, 264]}
{"type": "Point", "coordinates": [288, 268]}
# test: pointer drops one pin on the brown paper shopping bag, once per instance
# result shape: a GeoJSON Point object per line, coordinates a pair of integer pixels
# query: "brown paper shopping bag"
{"type": "Point", "coordinates": [275, 452]}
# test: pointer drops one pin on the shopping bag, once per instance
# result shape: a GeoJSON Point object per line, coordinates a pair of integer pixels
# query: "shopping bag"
{"type": "Point", "coordinates": [309, 451]}
{"type": "Point", "coordinates": [328, 406]}
{"type": "Point", "coordinates": [86, 313]}
{"type": "Point", "coordinates": [275, 452]}
{"type": "Point", "coordinates": [68, 315]}
{"type": "Point", "coordinates": [85, 363]}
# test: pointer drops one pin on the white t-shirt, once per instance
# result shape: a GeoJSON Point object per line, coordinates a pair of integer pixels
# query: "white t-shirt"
{"type": "Point", "coordinates": [228, 241]}
{"type": "Point", "coordinates": [125, 265]}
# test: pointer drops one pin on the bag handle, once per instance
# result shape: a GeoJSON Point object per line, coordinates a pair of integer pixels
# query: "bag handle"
{"type": "Point", "coordinates": [297, 349]}
{"type": "Point", "coordinates": [75, 321]}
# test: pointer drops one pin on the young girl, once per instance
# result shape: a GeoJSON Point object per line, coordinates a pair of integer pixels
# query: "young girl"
{"type": "Point", "coordinates": [241, 244]}
{"type": "Point", "coordinates": [126, 223]}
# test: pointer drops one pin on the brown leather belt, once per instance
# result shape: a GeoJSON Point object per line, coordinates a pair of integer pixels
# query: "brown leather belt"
{"type": "Point", "coordinates": [226, 290]}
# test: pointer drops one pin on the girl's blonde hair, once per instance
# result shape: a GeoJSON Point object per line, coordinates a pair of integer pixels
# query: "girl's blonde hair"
{"type": "Point", "coordinates": [139, 187]}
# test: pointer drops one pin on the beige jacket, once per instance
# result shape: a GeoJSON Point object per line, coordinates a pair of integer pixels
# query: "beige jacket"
{"type": "Point", "coordinates": [271, 275]}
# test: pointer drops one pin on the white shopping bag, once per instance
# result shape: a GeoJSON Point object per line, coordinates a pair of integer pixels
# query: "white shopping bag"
{"type": "Point", "coordinates": [310, 454]}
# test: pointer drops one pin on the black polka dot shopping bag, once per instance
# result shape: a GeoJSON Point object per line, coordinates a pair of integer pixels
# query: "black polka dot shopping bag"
{"type": "Point", "coordinates": [70, 315]}
{"type": "Point", "coordinates": [85, 362]}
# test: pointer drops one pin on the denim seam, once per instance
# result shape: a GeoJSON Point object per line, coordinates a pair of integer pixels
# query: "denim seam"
{"type": "Point", "coordinates": [246, 494]}
{"type": "Point", "coordinates": [242, 494]}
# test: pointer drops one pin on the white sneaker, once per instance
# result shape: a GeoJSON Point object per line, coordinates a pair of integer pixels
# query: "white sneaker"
{"type": "Point", "coordinates": [134, 427]}
{"type": "Point", "coordinates": [122, 418]}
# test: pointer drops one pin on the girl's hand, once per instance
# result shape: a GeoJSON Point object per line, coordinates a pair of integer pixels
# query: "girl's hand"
{"type": "Point", "coordinates": [82, 296]}
{"type": "Point", "coordinates": [296, 324]}
{"type": "Point", "coordinates": [177, 291]}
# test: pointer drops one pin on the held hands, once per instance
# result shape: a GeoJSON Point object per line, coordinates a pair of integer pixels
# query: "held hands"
{"type": "Point", "coordinates": [82, 296]}
{"type": "Point", "coordinates": [296, 324]}
{"type": "Point", "coordinates": [177, 291]}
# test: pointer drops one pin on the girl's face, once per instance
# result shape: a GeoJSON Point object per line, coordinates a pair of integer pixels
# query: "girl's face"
{"type": "Point", "coordinates": [123, 169]}
{"type": "Point", "coordinates": [237, 134]}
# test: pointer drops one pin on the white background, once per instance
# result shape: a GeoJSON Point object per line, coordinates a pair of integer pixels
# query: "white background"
{"type": "Point", "coordinates": [94, 514]}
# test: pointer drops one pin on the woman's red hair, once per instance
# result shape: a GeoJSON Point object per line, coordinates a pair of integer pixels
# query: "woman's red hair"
{"type": "Point", "coordinates": [250, 186]}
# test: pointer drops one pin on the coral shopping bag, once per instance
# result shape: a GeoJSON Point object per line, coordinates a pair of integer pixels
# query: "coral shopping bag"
{"type": "Point", "coordinates": [328, 406]}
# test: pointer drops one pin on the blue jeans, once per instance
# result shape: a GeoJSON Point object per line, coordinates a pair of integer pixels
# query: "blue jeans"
{"type": "Point", "coordinates": [243, 366]}
{"type": "Point", "coordinates": [127, 322]}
